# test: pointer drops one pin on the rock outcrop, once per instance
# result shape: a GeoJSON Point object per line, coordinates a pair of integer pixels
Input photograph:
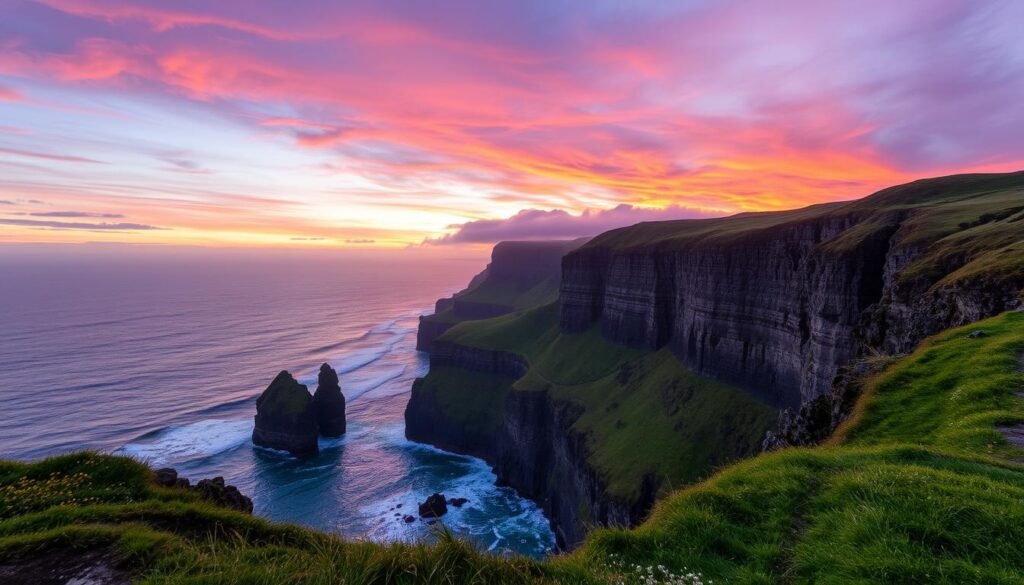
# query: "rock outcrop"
{"type": "Point", "coordinates": [289, 419]}
{"type": "Point", "coordinates": [329, 403]}
{"type": "Point", "coordinates": [286, 418]}
{"type": "Point", "coordinates": [814, 421]}
{"type": "Point", "coordinates": [214, 490]}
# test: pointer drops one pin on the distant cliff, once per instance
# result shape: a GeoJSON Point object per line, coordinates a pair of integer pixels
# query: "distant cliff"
{"type": "Point", "coordinates": [521, 275]}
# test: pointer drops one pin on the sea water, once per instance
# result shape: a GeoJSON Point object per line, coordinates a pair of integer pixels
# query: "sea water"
{"type": "Point", "coordinates": [160, 356]}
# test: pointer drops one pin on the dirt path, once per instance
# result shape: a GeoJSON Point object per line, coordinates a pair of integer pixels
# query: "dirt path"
{"type": "Point", "coordinates": [63, 567]}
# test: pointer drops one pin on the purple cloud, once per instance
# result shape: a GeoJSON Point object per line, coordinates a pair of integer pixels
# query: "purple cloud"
{"type": "Point", "coordinates": [74, 225]}
{"type": "Point", "coordinates": [77, 214]}
{"type": "Point", "coordinates": [537, 224]}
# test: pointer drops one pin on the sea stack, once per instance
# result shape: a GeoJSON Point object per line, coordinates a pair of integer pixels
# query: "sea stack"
{"type": "Point", "coordinates": [329, 403]}
{"type": "Point", "coordinates": [286, 417]}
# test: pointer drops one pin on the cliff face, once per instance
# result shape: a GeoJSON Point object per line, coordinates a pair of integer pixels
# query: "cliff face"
{"type": "Point", "coordinates": [543, 458]}
{"type": "Point", "coordinates": [774, 313]}
{"type": "Point", "coordinates": [776, 303]}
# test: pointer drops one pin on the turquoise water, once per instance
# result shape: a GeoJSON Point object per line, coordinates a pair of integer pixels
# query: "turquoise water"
{"type": "Point", "coordinates": [162, 358]}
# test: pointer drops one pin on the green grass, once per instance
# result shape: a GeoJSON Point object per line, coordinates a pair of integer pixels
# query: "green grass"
{"type": "Point", "coordinates": [951, 393]}
{"type": "Point", "coordinates": [514, 295]}
{"type": "Point", "coordinates": [655, 417]}
{"type": "Point", "coordinates": [918, 487]}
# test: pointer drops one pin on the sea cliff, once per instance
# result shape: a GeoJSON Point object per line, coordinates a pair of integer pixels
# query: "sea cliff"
{"type": "Point", "coordinates": [763, 308]}
{"type": "Point", "coordinates": [777, 302]}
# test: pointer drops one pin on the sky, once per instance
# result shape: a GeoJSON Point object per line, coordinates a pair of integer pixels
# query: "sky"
{"type": "Point", "coordinates": [396, 123]}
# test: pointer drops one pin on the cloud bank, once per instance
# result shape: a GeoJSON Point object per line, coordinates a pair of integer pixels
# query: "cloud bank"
{"type": "Point", "coordinates": [536, 224]}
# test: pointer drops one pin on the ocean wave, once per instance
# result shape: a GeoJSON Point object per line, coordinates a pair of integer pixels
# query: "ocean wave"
{"type": "Point", "coordinates": [176, 445]}
{"type": "Point", "coordinates": [354, 390]}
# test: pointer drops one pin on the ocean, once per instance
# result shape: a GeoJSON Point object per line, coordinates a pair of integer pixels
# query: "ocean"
{"type": "Point", "coordinates": [161, 356]}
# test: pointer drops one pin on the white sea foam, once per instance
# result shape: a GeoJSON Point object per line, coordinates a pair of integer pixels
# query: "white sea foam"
{"type": "Point", "coordinates": [200, 439]}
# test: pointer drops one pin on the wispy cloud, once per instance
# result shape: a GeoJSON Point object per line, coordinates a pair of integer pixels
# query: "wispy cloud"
{"type": "Point", "coordinates": [78, 214]}
{"type": "Point", "coordinates": [69, 225]}
{"type": "Point", "coordinates": [48, 156]}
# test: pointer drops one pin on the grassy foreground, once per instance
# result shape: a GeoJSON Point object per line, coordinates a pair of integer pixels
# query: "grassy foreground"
{"type": "Point", "coordinates": [918, 487]}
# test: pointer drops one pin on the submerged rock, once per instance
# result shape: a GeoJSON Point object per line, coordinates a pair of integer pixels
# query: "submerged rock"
{"type": "Point", "coordinates": [286, 418]}
{"type": "Point", "coordinates": [458, 502]}
{"type": "Point", "coordinates": [434, 507]}
{"type": "Point", "coordinates": [329, 403]}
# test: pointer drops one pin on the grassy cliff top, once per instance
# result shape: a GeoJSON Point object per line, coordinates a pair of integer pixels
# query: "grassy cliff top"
{"type": "Point", "coordinates": [967, 226]}
{"type": "Point", "coordinates": [918, 487]}
{"type": "Point", "coordinates": [944, 204]}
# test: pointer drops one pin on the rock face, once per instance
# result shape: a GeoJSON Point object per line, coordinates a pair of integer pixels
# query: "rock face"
{"type": "Point", "coordinates": [329, 403]}
{"type": "Point", "coordinates": [774, 312]}
{"type": "Point", "coordinates": [286, 418]}
{"type": "Point", "coordinates": [502, 363]}
{"type": "Point", "coordinates": [777, 310]}
{"type": "Point", "coordinates": [815, 420]}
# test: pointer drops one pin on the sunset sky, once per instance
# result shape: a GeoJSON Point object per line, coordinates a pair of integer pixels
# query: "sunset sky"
{"type": "Point", "coordinates": [388, 123]}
